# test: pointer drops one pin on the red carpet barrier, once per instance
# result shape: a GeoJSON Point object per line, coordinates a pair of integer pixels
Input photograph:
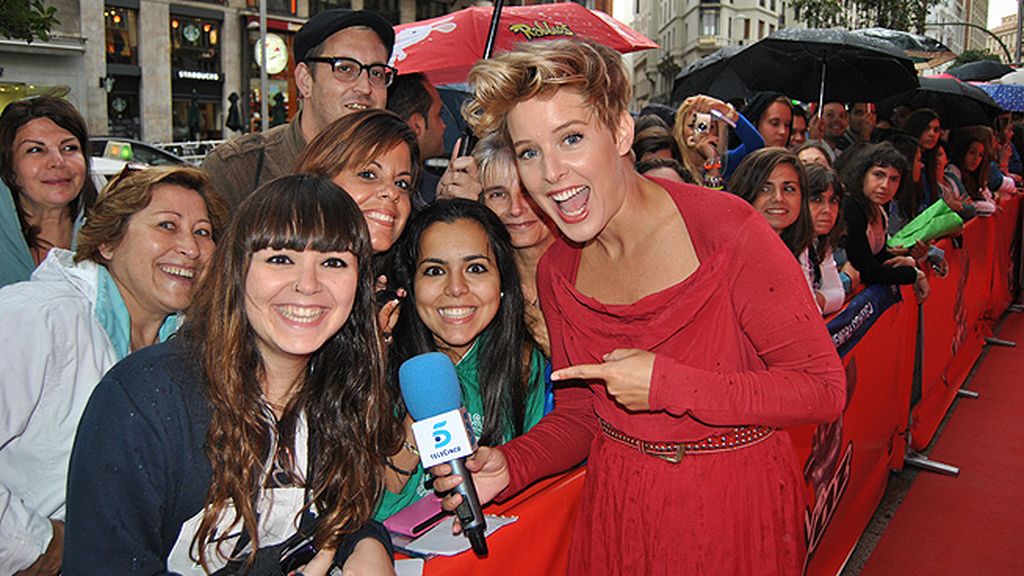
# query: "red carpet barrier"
{"type": "Point", "coordinates": [960, 311]}
{"type": "Point", "coordinates": [846, 463]}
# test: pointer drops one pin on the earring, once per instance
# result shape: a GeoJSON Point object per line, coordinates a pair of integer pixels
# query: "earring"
{"type": "Point", "coordinates": [501, 294]}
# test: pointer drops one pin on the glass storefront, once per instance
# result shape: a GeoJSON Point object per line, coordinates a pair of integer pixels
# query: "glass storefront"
{"type": "Point", "coordinates": [196, 79]}
{"type": "Point", "coordinates": [282, 93]}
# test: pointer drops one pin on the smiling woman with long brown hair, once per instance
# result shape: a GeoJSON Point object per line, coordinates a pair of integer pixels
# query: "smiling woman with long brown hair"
{"type": "Point", "coordinates": [259, 429]}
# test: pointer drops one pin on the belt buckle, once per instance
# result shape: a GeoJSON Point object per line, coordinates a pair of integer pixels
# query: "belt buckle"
{"type": "Point", "coordinates": [675, 457]}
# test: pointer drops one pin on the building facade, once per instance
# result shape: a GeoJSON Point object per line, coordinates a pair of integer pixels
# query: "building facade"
{"type": "Point", "coordinates": [179, 70]}
{"type": "Point", "coordinates": [688, 30]}
{"type": "Point", "coordinates": [1006, 31]}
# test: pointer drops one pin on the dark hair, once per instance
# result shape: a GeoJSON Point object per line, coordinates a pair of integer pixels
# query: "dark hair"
{"type": "Point", "coordinates": [910, 194]}
{"type": "Point", "coordinates": [505, 342]}
{"type": "Point", "coordinates": [664, 111]}
{"type": "Point", "coordinates": [757, 105]}
{"type": "Point", "coordinates": [652, 139]}
{"type": "Point", "coordinates": [819, 178]}
{"type": "Point", "coordinates": [754, 170]}
{"type": "Point", "coordinates": [645, 166]}
{"type": "Point", "coordinates": [960, 140]}
{"type": "Point", "coordinates": [408, 95]}
{"type": "Point", "coordinates": [63, 114]}
{"type": "Point", "coordinates": [883, 154]}
{"type": "Point", "coordinates": [343, 393]}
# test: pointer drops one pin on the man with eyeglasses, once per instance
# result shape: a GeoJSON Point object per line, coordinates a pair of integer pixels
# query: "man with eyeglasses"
{"type": "Point", "coordinates": [341, 67]}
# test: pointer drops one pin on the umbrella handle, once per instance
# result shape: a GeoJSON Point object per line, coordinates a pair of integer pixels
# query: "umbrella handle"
{"type": "Point", "coordinates": [821, 91]}
{"type": "Point", "coordinates": [469, 139]}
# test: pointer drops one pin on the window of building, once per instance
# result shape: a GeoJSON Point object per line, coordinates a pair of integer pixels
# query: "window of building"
{"type": "Point", "coordinates": [773, 5]}
{"type": "Point", "coordinates": [387, 8]}
{"type": "Point", "coordinates": [746, 28]}
{"type": "Point", "coordinates": [760, 29]}
{"type": "Point", "coordinates": [426, 10]}
{"type": "Point", "coordinates": [709, 23]}
{"type": "Point", "coordinates": [317, 6]}
{"type": "Point", "coordinates": [195, 43]}
{"type": "Point", "coordinates": [196, 81]}
{"type": "Point", "coordinates": [275, 6]}
{"type": "Point", "coordinates": [122, 35]}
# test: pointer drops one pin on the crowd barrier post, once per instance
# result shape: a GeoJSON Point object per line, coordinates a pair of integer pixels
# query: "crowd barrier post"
{"type": "Point", "coordinates": [912, 457]}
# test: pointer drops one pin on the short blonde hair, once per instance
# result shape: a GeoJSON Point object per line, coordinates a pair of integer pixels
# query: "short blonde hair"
{"type": "Point", "coordinates": [130, 192]}
{"type": "Point", "coordinates": [596, 72]}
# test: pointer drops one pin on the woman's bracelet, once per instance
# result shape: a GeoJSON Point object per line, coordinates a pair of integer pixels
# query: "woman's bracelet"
{"type": "Point", "coordinates": [397, 470]}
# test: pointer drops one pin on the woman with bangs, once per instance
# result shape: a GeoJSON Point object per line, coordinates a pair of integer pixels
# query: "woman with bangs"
{"type": "Point", "coordinates": [250, 443]}
{"type": "Point", "coordinates": [673, 377]}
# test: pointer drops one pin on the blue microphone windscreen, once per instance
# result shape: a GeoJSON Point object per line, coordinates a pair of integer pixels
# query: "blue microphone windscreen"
{"type": "Point", "coordinates": [429, 385]}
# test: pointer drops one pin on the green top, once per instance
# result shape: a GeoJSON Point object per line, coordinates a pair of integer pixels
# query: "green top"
{"type": "Point", "coordinates": [466, 370]}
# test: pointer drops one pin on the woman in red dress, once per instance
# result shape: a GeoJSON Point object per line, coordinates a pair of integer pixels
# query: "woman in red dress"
{"type": "Point", "coordinates": [682, 333]}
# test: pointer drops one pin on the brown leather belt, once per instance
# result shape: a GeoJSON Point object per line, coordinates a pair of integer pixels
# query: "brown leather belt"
{"type": "Point", "coordinates": [734, 439]}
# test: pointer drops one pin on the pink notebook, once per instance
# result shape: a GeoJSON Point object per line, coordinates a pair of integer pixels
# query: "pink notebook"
{"type": "Point", "coordinates": [417, 518]}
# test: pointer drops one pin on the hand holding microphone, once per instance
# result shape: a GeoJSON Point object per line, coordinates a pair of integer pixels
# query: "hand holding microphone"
{"type": "Point", "coordinates": [433, 397]}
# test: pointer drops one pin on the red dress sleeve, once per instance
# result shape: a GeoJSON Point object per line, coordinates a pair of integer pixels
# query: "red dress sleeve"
{"type": "Point", "coordinates": [562, 438]}
{"type": "Point", "coordinates": [802, 379]}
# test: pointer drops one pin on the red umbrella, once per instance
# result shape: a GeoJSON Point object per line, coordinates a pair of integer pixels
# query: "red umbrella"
{"type": "Point", "coordinates": [446, 47]}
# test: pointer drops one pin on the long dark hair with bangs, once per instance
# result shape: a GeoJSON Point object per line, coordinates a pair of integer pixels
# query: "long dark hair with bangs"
{"type": "Point", "coordinates": [505, 344]}
{"type": "Point", "coordinates": [750, 177]}
{"type": "Point", "coordinates": [344, 392]}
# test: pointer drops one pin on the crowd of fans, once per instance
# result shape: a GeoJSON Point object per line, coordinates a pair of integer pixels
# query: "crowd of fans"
{"type": "Point", "coordinates": [335, 263]}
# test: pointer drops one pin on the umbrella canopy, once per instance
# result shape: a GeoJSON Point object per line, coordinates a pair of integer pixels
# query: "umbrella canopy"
{"type": "Point", "coordinates": [810, 63]}
{"type": "Point", "coordinates": [925, 51]}
{"type": "Point", "coordinates": [713, 76]}
{"type": "Point", "coordinates": [1015, 77]}
{"type": "Point", "coordinates": [956, 102]}
{"type": "Point", "coordinates": [1008, 96]}
{"type": "Point", "coordinates": [980, 70]}
{"type": "Point", "coordinates": [446, 47]}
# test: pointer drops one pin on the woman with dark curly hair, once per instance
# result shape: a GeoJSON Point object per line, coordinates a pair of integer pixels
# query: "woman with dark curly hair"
{"type": "Point", "coordinates": [251, 443]}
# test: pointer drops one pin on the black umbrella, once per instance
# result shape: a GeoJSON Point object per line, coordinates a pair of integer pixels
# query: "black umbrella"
{"type": "Point", "coordinates": [713, 76]}
{"type": "Point", "coordinates": [925, 51]}
{"type": "Point", "coordinates": [807, 64]}
{"type": "Point", "coordinates": [956, 102]}
{"type": "Point", "coordinates": [825, 65]}
{"type": "Point", "coordinates": [980, 71]}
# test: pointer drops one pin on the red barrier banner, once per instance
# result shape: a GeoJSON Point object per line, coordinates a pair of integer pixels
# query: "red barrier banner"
{"type": "Point", "coordinates": [847, 462]}
{"type": "Point", "coordinates": [538, 543]}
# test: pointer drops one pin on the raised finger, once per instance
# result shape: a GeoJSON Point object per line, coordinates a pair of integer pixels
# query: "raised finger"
{"type": "Point", "coordinates": [584, 371]}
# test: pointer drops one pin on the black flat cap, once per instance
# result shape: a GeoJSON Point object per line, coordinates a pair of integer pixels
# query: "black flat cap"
{"type": "Point", "coordinates": [325, 23]}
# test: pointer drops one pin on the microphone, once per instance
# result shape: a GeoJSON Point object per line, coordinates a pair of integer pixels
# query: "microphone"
{"type": "Point", "coordinates": [433, 397]}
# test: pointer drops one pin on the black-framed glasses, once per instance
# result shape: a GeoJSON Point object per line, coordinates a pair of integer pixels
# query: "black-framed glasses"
{"type": "Point", "coordinates": [349, 69]}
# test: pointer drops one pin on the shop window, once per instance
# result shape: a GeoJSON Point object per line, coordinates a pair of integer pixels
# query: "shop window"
{"type": "Point", "coordinates": [426, 10]}
{"type": "Point", "coordinates": [122, 35]}
{"type": "Point", "coordinates": [318, 6]}
{"type": "Point", "coordinates": [709, 23]}
{"type": "Point", "coordinates": [195, 44]}
{"type": "Point", "coordinates": [387, 8]}
{"type": "Point", "coordinates": [276, 6]}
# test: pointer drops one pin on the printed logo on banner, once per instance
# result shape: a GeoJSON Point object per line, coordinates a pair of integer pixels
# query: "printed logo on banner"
{"type": "Point", "coordinates": [959, 309]}
{"type": "Point", "coordinates": [850, 325]}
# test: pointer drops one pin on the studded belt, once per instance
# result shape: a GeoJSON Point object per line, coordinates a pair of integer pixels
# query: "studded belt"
{"type": "Point", "coordinates": [733, 439]}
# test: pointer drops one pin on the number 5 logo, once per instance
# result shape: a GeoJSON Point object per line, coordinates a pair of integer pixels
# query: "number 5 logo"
{"type": "Point", "coordinates": [441, 436]}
